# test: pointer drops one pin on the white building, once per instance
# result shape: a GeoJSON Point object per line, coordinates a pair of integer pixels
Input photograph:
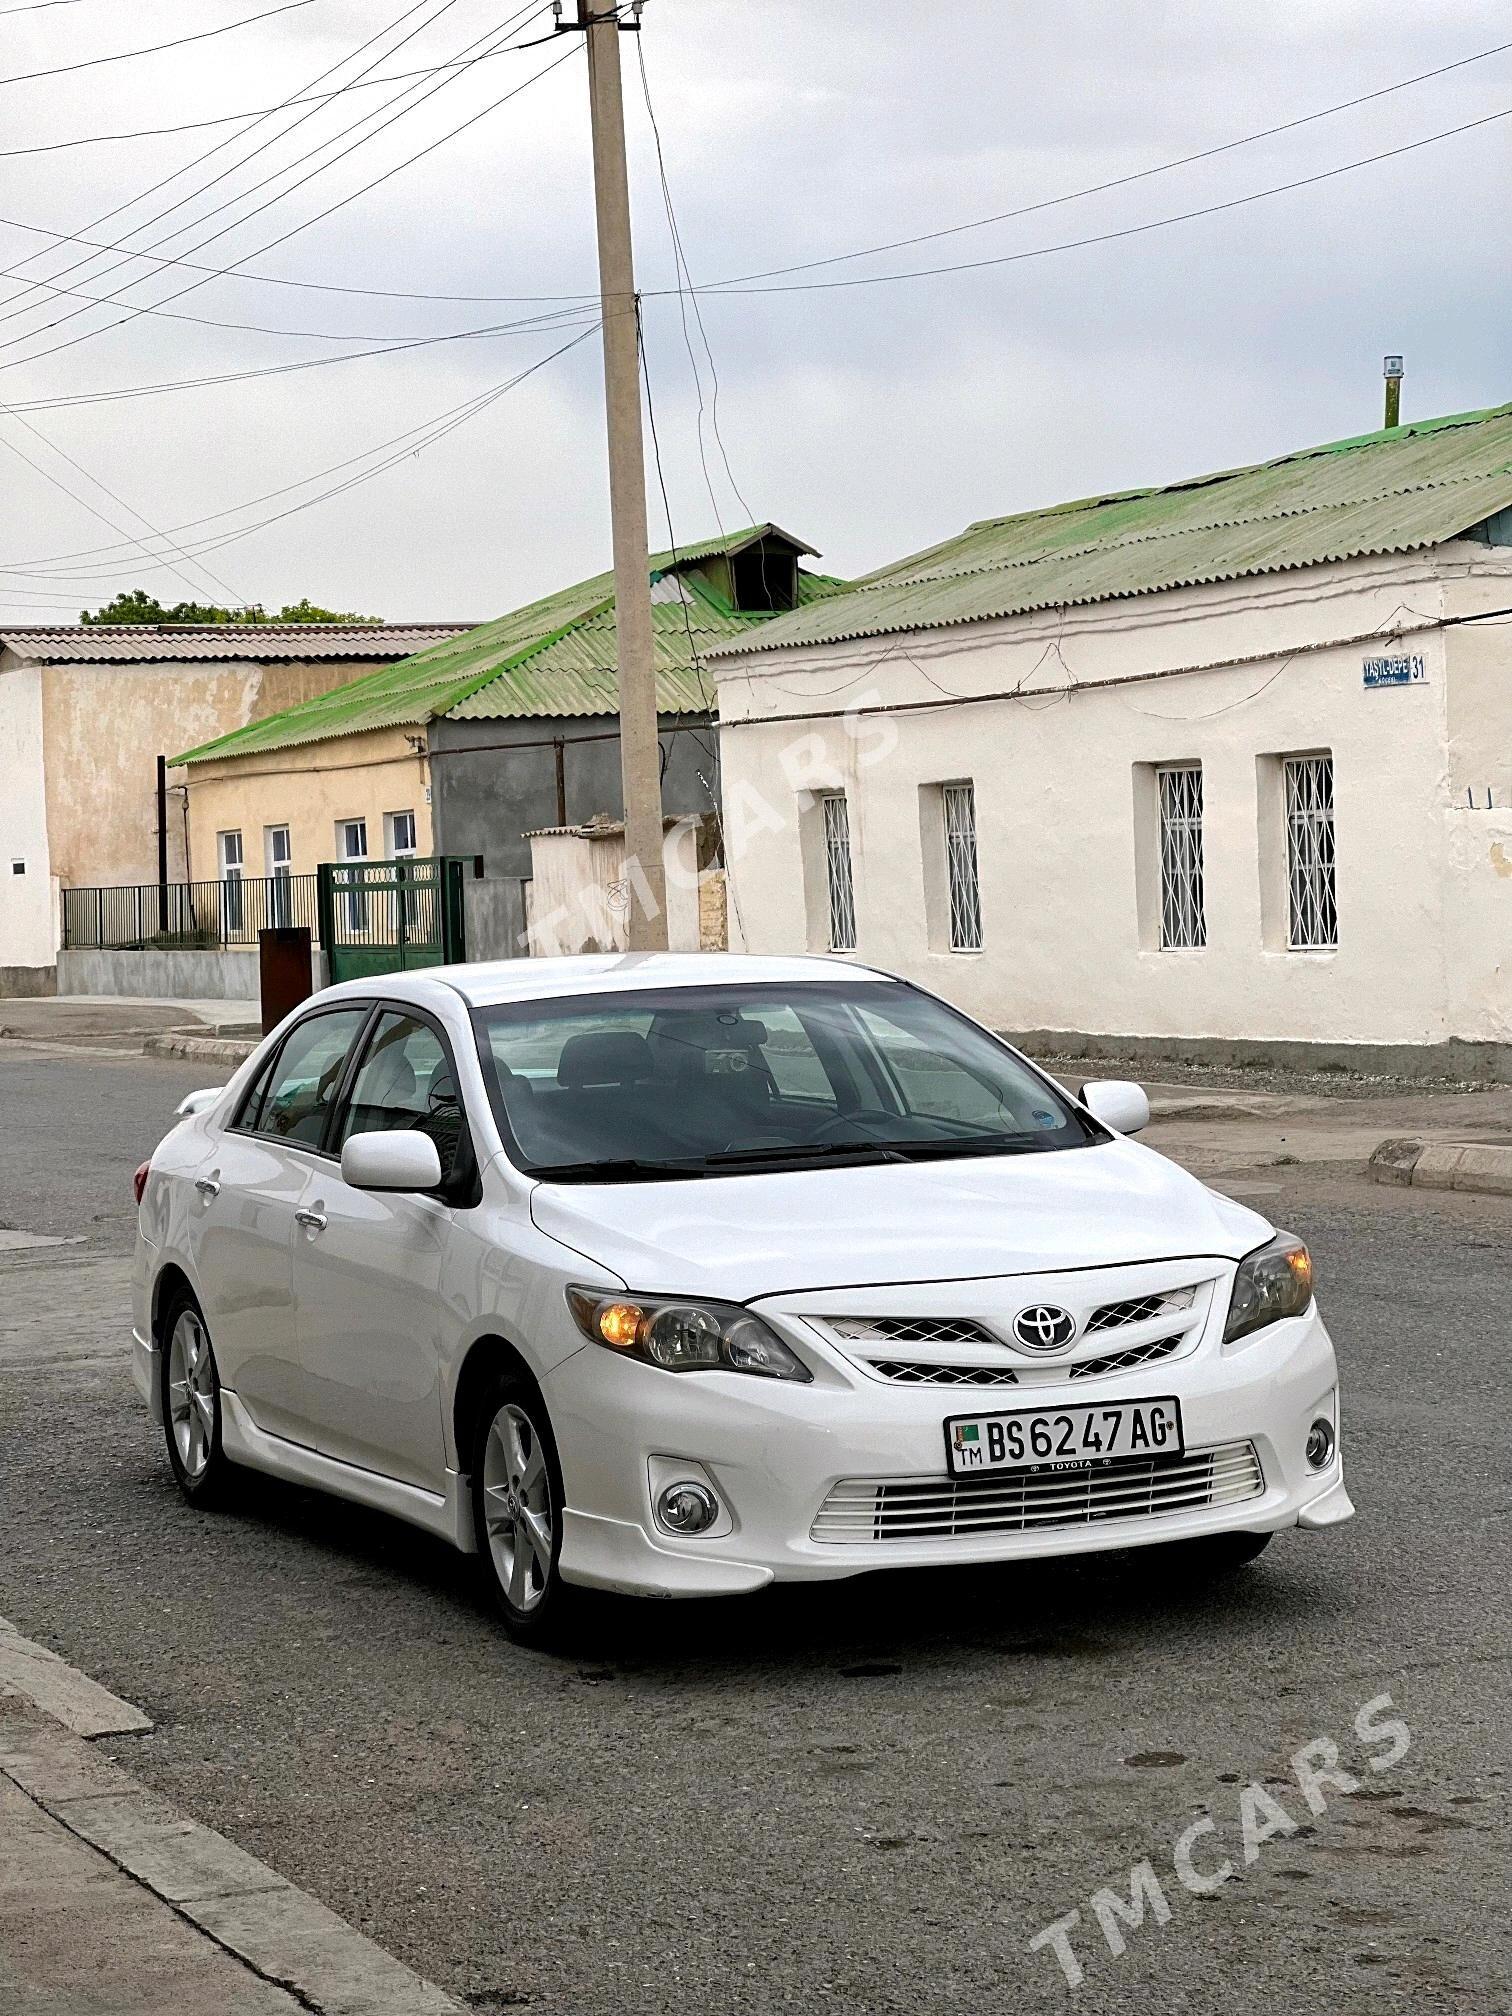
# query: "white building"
{"type": "Point", "coordinates": [1219, 767]}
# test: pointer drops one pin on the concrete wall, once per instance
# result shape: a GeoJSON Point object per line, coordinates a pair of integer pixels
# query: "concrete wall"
{"type": "Point", "coordinates": [578, 899]}
{"type": "Point", "coordinates": [168, 976]}
{"type": "Point", "coordinates": [1232, 677]}
{"type": "Point", "coordinates": [495, 781]}
{"type": "Point", "coordinates": [28, 889]}
{"type": "Point", "coordinates": [106, 725]}
{"type": "Point", "coordinates": [309, 789]}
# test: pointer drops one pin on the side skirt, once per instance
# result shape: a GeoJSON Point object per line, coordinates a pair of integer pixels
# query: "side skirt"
{"type": "Point", "coordinates": [448, 1514]}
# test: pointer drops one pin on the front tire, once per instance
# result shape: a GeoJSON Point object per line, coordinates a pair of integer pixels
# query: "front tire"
{"type": "Point", "coordinates": [517, 1509]}
{"type": "Point", "coordinates": [192, 1405]}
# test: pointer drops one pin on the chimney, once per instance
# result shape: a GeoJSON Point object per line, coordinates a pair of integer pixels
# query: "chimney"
{"type": "Point", "coordinates": [1392, 372]}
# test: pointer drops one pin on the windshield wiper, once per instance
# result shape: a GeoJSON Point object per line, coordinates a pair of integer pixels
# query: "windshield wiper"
{"type": "Point", "coordinates": [616, 1169]}
{"type": "Point", "coordinates": [967, 1144]}
{"type": "Point", "coordinates": [804, 1151]}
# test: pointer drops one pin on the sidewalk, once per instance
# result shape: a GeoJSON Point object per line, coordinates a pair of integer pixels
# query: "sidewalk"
{"type": "Point", "coordinates": [1218, 1130]}
{"type": "Point", "coordinates": [79, 1937]}
{"type": "Point", "coordinates": [112, 1903]}
{"type": "Point", "coordinates": [127, 1026]}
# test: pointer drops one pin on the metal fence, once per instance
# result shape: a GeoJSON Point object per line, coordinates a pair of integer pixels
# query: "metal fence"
{"type": "Point", "coordinates": [187, 916]}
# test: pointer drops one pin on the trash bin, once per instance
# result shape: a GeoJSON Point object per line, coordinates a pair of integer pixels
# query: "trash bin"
{"type": "Point", "coordinates": [283, 971]}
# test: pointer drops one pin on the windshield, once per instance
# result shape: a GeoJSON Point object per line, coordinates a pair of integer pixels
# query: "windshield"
{"type": "Point", "coordinates": [708, 1081]}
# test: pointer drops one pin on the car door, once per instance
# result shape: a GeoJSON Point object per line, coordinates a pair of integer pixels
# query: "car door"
{"type": "Point", "coordinates": [373, 1317]}
{"type": "Point", "coordinates": [249, 1191]}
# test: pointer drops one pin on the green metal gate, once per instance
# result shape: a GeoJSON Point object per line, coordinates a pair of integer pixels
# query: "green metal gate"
{"type": "Point", "coordinates": [389, 916]}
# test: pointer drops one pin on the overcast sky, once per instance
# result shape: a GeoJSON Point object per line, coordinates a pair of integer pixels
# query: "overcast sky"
{"type": "Point", "coordinates": [870, 420]}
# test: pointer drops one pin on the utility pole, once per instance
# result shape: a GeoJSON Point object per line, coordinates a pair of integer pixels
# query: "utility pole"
{"type": "Point", "coordinates": [640, 749]}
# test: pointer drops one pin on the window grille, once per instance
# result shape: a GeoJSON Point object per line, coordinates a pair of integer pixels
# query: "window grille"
{"type": "Point", "coordinates": [1312, 901]}
{"type": "Point", "coordinates": [837, 861]}
{"type": "Point", "coordinates": [961, 868]}
{"type": "Point", "coordinates": [1183, 920]}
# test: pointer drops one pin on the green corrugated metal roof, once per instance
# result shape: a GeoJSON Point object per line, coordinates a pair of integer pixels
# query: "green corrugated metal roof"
{"type": "Point", "coordinates": [555, 657]}
{"type": "Point", "coordinates": [1390, 492]}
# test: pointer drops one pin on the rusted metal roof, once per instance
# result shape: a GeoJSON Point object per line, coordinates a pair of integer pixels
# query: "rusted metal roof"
{"type": "Point", "coordinates": [245, 643]}
{"type": "Point", "coordinates": [1391, 492]}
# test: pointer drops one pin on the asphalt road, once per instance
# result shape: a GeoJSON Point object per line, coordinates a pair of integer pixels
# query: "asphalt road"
{"type": "Point", "coordinates": [864, 1798]}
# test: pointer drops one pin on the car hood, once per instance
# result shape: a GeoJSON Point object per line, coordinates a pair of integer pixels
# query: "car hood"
{"type": "Point", "coordinates": [784, 1232]}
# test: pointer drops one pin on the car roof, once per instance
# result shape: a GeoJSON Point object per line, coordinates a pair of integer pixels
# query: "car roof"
{"type": "Point", "coordinates": [490, 982]}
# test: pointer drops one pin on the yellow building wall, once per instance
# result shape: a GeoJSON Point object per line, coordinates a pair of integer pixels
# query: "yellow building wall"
{"type": "Point", "coordinates": [311, 789]}
{"type": "Point", "coordinates": [103, 728]}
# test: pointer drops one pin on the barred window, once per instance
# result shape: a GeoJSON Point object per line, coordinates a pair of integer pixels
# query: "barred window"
{"type": "Point", "coordinates": [1183, 919]}
{"type": "Point", "coordinates": [837, 868]}
{"type": "Point", "coordinates": [959, 807]}
{"type": "Point", "coordinates": [1312, 898]}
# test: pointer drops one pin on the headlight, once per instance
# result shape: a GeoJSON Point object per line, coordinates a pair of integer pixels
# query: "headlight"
{"type": "Point", "coordinates": [1272, 1282]}
{"type": "Point", "coordinates": [684, 1336]}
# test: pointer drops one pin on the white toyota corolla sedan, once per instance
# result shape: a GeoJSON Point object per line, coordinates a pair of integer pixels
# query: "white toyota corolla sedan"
{"type": "Point", "coordinates": [679, 1275]}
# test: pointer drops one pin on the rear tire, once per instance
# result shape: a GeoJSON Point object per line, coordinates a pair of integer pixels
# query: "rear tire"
{"type": "Point", "coordinates": [517, 1509]}
{"type": "Point", "coordinates": [192, 1405]}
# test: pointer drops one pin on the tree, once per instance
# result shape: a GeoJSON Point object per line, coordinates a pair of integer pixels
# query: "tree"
{"type": "Point", "coordinates": [137, 606]}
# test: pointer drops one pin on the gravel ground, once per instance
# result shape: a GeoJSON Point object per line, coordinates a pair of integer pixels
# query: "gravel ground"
{"type": "Point", "coordinates": [865, 1798]}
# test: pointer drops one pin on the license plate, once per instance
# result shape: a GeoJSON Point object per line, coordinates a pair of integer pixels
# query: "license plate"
{"type": "Point", "coordinates": [1058, 1438]}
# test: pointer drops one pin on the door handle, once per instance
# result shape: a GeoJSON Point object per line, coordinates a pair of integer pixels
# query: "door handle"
{"type": "Point", "coordinates": [207, 1186]}
{"type": "Point", "coordinates": [315, 1220]}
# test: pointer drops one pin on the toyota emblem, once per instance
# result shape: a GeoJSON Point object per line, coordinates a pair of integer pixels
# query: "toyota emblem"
{"type": "Point", "coordinates": [1044, 1327]}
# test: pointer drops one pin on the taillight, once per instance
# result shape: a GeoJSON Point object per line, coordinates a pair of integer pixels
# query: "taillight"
{"type": "Point", "coordinates": [139, 1180]}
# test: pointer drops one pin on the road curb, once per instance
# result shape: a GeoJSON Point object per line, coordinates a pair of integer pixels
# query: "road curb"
{"type": "Point", "coordinates": [203, 1049]}
{"type": "Point", "coordinates": [279, 1932]}
{"type": "Point", "coordinates": [1480, 1167]}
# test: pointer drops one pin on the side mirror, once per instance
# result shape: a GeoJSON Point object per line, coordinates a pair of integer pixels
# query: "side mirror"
{"type": "Point", "coordinates": [1117, 1103]}
{"type": "Point", "coordinates": [401, 1160]}
{"type": "Point", "coordinates": [196, 1102]}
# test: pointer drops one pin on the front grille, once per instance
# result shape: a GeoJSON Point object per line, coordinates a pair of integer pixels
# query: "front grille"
{"type": "Point", "coordinates": [1140, 1308]}
{"type": "Point", "coordinates": [908, 1372]}
{"type": "Point", "coordinates": [860, 1509]}
{"type": "Point", "coordinates": [1122, 1361]}
{"type": "Point", "coordinates": [910, 1330]}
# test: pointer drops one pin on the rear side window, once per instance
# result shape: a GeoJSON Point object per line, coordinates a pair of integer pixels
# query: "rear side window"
{"type": "Point", "coordinates": [406, 1080]}
{"type": "Point", "coordinates": [306, 1075]}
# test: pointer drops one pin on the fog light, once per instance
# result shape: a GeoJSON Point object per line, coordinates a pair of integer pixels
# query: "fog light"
{"type": "Point", "coordinates": [687, 1507]}
{"type": "Point", "coordinates": [1320, 1444]}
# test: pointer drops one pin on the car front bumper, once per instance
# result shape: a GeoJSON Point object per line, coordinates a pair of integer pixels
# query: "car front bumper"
{"type": "Point", "coordinates": [774, 1451]}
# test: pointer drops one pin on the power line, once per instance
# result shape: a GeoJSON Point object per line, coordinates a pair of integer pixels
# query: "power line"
{"type": "Point", "coordinates": [1123, 181]}
{"type": "Point", "coordinates": [93, 510]}
{"type": "Point", "coordinates": [254, 112]}
{"type": "Point", "coordinates": [131, 202]}
{"type": "Point", "coordinates": [138, 309]}
{"type": "Point", "coordinates": [321, 215]}
{"type": "Point", "coordinates": [717, 290]}
{"type": "Point", "coordinates": [687, 293]}
{"type": "Point", "coordinates": [39, 569]}
{"type": "Point", "coordinates": [446, 424]}
{"type": "Point", "coordinates": [1049, 202]}
{"type": "Point", "coordinates": [278, 280]}
{"type": "Point", "coordinates": [156, 48]}
{"type": "Point", "coordinates": [36, 6]}
{"type": "Point", "coordinates": [559, 318]}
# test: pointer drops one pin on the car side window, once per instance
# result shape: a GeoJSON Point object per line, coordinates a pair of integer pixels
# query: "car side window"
{"type": "Point", "coordinates": [406, 1080]}
{"type": "Point", "coordinates": [246, 1114]}
{"type": "Point", "coordinates": [305, 1077]}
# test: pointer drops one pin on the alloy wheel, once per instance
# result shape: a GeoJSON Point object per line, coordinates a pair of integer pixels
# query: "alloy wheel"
{"type": "Point", "coordinates": [517, 1508]}
{"type": "Point", "coordinates": [191, 1393]}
